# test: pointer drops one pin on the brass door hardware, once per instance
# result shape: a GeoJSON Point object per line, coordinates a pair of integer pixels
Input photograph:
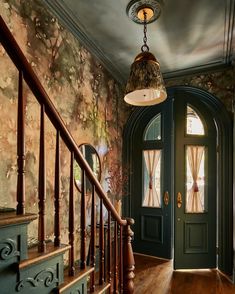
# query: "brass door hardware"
{"type": "Point", "coordinates": [179, 200]}
{"type": "Point", "coordinates": [166, 198]}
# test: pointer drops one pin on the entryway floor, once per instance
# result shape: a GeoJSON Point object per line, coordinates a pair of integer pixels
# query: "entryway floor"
{"type": "Point", "coordinates": [156, 276]}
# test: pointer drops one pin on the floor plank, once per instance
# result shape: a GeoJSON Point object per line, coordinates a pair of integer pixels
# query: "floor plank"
{"type": "Point", "coordinates": [156, 276]}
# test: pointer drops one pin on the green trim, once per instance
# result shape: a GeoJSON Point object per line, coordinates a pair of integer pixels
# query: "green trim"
{"type": "Point", "coordinates": [224, 127]}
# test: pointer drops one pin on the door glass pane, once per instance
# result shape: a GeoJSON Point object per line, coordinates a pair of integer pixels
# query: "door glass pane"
{"type": "Point", "coordinates": [194, 123]}
{"type": "Point", "coordinates": [195, 179]}
{"type": "Point", "coordinates": [153, 129]}
{"type": "Point", "coordinates": [152, 178]}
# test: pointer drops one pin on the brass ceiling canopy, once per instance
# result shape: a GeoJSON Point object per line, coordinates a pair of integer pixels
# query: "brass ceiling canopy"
{"type": "Point", "coordinates": [135, 10]}
{"type": "Point", "coordinates": [145, 85]}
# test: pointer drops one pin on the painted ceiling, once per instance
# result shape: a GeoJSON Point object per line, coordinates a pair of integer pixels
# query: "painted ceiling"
{"type": "Point", "coordinates": [188, 37]}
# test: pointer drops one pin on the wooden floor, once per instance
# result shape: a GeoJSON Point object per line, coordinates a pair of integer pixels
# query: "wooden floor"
{"type": "Point", "coordinates": [156, 276]}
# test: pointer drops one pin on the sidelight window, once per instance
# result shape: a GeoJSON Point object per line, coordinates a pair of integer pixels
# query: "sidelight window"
{"type": "Point", "coordinates": [152, 178]}
{"type": "Point", "coordinates": [195, 179]}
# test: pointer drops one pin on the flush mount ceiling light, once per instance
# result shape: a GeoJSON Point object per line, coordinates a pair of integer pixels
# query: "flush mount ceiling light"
{"type": "Point", "coordinates": [145, 85]}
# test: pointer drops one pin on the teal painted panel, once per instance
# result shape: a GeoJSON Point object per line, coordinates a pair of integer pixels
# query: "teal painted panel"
{"type": "Point", "coordinates": [42, 277]}
{"type": "Point", "coordinates": [13, 244]}
{"type": "Point", "coordinates": [8, 250]}
{"type": "Point", "coordinates": [8, 278]}
{"type": "Point", "coordinates": [13, 248]}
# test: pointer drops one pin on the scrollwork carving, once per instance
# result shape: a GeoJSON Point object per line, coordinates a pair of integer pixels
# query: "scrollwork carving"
{"type": "Point", "coordinates": [44, 278]}
{"type": "Point", "coordinates": [8, 249]}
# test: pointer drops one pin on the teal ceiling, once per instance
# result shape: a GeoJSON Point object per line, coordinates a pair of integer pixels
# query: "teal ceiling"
{"type": "Point", "coordinates": [189, 36]}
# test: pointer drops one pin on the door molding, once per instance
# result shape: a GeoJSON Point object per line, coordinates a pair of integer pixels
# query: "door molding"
{"type": "Point", "coordinates": [223, 121]}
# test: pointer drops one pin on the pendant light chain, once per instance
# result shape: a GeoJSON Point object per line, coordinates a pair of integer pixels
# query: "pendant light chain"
{"type": "Point", "coordinates": [145, 47]}
{"type": "Point", "coordinates": [145, 85]}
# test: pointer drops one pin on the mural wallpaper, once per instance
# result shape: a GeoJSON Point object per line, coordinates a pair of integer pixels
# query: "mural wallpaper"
{"type": "Point", "coordinates": [220, 83]}
{"type": "Point", "coordinates": [87, 98]}
{"type": "Point", "coordinates": [85, 95]}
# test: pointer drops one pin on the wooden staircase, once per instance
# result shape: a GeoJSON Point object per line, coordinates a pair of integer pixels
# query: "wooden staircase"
{"type": "Point", "coordinates": [41, 268]}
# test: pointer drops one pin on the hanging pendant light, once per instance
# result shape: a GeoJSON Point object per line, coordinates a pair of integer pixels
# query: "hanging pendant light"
{"type": "Point", "coordinates": [145, 85]}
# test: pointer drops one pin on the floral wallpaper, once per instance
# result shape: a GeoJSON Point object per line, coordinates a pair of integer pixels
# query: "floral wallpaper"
{"type": "Point", "coordinates": [220, 83]}
{"type": "Point", "coordinates": [83, 92]}
{"type": "Point", "coordinates": [88, 99]}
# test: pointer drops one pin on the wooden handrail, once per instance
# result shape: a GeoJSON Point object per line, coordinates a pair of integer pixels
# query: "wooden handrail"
{"type": "Point", "coordinates": [120, 261]}
{"type": "Point", "coordinates": [20, 61]}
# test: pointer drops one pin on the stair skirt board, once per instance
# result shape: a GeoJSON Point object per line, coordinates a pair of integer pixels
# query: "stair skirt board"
{"type": "Point", "coordinates": [41, 277]}
{"type": "Point", "coordinates": [25, 270]}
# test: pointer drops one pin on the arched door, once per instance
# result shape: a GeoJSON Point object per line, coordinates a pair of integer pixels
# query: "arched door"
{"type": "Point", "coordinates": [151, 162]}
{"type": "Point", "coordinates": [176, 193]}
{"type": "Point", "coordinates": [195, 184]}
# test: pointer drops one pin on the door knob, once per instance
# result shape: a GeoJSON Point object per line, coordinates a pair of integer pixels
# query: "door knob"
{"type": "Point", "coordinates": [166, 198]}
{"type": "Point", "coordinates": [179, 200]}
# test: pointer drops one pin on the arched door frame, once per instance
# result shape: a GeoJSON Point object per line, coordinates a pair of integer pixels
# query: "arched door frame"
{"type": "Point", "coordinates": [223, 122]}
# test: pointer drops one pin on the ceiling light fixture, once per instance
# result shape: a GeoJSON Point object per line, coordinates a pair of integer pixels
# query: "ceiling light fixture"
{"type": "Point", "coordinates": [145, 85]}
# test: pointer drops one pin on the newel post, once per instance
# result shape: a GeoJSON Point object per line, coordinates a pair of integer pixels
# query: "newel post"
{"type": "Point", "coordinates": [128, 258]}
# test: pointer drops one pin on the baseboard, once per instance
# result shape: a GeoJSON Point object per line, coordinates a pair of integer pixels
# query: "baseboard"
{"type": "Point", "coordinates": [150, 256]}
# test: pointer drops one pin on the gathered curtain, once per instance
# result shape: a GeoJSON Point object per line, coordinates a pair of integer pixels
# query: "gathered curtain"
{"type": "Point", "coordinates": [194, 157]}
{"type": "Point", "coordinates": [151, 196]}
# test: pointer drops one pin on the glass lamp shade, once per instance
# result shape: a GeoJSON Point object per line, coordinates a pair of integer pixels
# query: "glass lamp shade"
{"type": "Point", "coordinates": [145, 85]}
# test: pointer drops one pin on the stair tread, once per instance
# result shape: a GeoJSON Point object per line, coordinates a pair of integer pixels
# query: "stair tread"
{"type": "Point", "coordinates": [35, 257]}
{"type": "Point", "coordinates": [71, 280]}
{"type": "Point", "coordinates": [101, 288]}
{"type": "Point", "coordinates": [10, 218]}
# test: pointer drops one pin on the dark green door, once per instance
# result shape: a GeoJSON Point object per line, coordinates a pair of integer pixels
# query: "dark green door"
{"type": "Point", "coordinates": [185, 181]}
{"type": "Point", "coordinates": [191, 134]}
{"type": "Point", "coordinates": [195, 185]}
{"type": "Point", "coordinates": [151, 206]}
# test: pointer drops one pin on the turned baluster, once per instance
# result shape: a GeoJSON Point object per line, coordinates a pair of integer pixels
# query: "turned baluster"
{"type": "Point", "coordinates": [115, 282]}
{"type": "Point", "coordinates": [109, 261]}
{"type": "Point", "coordinates": [83, 222]}
{"type": "Point", "coordinates": [92, 242]}
{"type": "Point", "coordinates": [101, 245]}
{"type": "Point", "coordinates": [57, 239]}
{"type": "Point", "coordinates": [42, 186]}
{"type": "Point", "coordinates": [21, 148]}
{"type": "Point", "coordinates": [71, 218]}
{"type": "Point", "coordinates": [128, 259]}
{"type": "Point", "coordinates": [121, 260]}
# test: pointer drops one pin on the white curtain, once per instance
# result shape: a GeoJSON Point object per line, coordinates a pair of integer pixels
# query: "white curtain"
{"type": "Point", "coordinates": [194, 156]}
{"type": "Point", "coordinates": [151, 197]}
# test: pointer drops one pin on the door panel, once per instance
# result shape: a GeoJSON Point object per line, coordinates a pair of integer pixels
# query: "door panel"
{"type": "Point", "coordinates": [151, 207]}
{"type": "Point", "coordinates": [195, 180]}
{"type": "Point", "coordinates": [196, 237]}
{"type": "Point", "coordinates": [151, 228]}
